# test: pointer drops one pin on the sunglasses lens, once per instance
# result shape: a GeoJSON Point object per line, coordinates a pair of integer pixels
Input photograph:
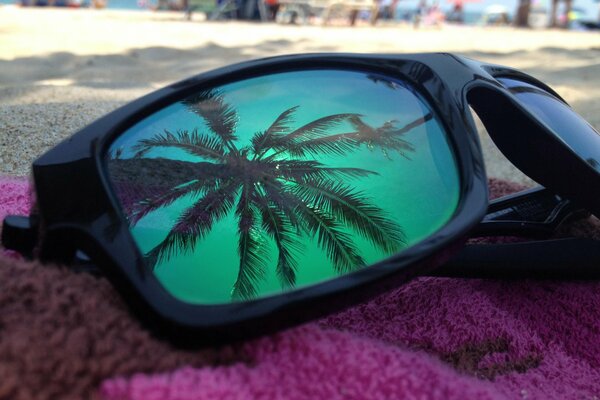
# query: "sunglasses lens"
{"type": "Point", "coordinates": [572, 129]}
{"type": "Point", "coordinates": [269, 184]}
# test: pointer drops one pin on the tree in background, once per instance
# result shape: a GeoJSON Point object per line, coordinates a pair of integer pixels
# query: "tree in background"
{"type": "Point", "coordinates": [568, 8]}
{"type": "Point", "coordinates": [524, 9]}
{"type": "Point", "coordinates": [522, 14]}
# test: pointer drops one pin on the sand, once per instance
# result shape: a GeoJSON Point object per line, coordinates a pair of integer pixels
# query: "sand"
{"type": "Point", "coordinates": [61, 69]}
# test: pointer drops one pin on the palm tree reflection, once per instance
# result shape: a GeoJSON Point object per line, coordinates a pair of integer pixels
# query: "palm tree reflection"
{"type": "Point", "coordinates": [275, 187]}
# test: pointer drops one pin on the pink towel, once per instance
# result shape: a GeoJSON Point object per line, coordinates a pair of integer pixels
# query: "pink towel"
{"type": "Point", "coordinates": [433, 338]}
{"type": "Point", "coordinates": [14, 197]}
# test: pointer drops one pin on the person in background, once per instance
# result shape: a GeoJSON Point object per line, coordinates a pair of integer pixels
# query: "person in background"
{"type": "Point", "coordinates": [386, 9]}
{"type": "Point", "coordinates": [458, 12]}
{"type": "Point", "coordinates": [435, 17]}
{"type": "Point", "coordinates": [420, 13]}
{"type": "Point", "coordinates": [272, 9]}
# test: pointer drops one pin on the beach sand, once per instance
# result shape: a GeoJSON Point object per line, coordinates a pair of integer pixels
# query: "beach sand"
{"type": "Point", "coordinates": [60, 69]}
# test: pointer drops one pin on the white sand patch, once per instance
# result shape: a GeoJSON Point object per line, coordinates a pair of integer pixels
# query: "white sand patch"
{"type": "Point", "coordinates": [61, 69]}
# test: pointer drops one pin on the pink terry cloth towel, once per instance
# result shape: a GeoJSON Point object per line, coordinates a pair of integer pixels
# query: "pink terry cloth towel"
{"type": "Point", "coordinates": [433, 338]}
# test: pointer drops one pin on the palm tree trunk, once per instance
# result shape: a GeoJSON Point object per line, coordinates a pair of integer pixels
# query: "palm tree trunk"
{"type": "Point", "coordinates": [523, 9]}
{"type": "Point", "coordinates": [553, 11]}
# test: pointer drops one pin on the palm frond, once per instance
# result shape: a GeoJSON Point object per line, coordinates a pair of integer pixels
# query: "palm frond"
{"type": "Point", "coordinates": [280, 229]}
{"type": "Point", "coordinates": [165, 199]}
{"type": "Point", "coordinates": [220, 116]}
{"type": "Point", "coordinates": [337, 244]}
{"type": "Point", "coordinates": [251, 248]}
{"type": "Point", "coordinates": [150, 204]}
{"type": "Point", "coordinates": [338, 144]}
{"type": "Point", "coordinates": [388, 136]}
{"type": "Point", "coordinates": [285, 203]}
{"type": "Point", "coordinates": [298, 170]}
{"type": "Point", "coordinates": [157, 172]}
{"type": "Point", "coordinates": [262, 142]}
{"type": "Point", "coordinates": [312, 130]}
{"type": "Point", "coordinates": [417, 122]}
{"type": "Point", "coordinates": [400, 145]}
{"type": "Point", "coordinates": [142, 180]}
{"type": "Point", "coordinates": [353, 209]}
{"type": "Point", "coordinates": [192, 142]}
{"type": "Point", "coordinates": [195, 223]}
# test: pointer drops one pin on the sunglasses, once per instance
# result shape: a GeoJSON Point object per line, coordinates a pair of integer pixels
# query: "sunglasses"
{"type": "Point", "coordinates": [268, 193]}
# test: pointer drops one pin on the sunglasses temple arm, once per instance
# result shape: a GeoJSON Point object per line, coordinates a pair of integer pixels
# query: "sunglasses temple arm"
{"type": "Point", "coordinates": [570, 258]}
{"type": "Point", "coordinates": [534, 213]}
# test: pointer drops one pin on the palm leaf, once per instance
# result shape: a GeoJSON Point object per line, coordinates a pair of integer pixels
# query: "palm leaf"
{"type": "Point", "coordinates": [146, 180]}
{"type": "Point", "coordinates": [192, 142]}
{"type": "Point", "coordinates": [262, 142]}
{"type": "Point", "coordinates": [353, 209]}
{"type": "Point", "coordinates": [309, 170]}
{"type": "Point", "coordinates": [309, 131]}
{"type": "Point", "coordinates": [337, 244]}
{"type": "Point", "coordinates": [390, 137]}
{"type": "Point", "coordinates": [387, 136]}
{"type": "Point", "coordinates": [151, 204]}
{"type": "Point", "coordinates": [338, 144]}
{"type": "Point", "coordinates": [156, 172]}
{"type": "Point", "coordinates": [280, 229]}
{"type": "Point", "coordinates": [417, 122]}
{"type": "Point", "coordinates": [285, 203]}
{"type": "Point", "coordinates": [220, 116]}
{"type": "Point", "coordinates": [195, 223]}
{"type": "Point", "coordinates": [251, 248]}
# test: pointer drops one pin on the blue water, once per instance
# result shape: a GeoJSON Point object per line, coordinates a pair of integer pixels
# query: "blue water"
{"type": "Point", "coordinates": [123, 4]}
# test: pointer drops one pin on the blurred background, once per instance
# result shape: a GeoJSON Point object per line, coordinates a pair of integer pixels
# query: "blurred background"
{"type": "Point", "coordinates": [64, 63]}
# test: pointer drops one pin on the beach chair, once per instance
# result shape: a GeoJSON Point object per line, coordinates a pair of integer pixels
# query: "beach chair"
{"type": "Point", "coordinates": [300, 11]}
{"type": "Point", "coordinates": [238, 9]}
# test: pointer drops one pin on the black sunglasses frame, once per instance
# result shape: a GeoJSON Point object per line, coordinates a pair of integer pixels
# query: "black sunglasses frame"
{"type": "Point", "coordinates": [76, 207]}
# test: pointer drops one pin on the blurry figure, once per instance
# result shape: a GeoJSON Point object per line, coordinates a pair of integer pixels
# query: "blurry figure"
{"type": "Point", "coordinates": [272, 7]}
{"type": "Point", "coordinates": [457, 13]}
{"type": "Point", "coordinates": [386, 9]}
{"type": "Point", "coordinates": [354, 10]}
{"type": "Point", "coordinates": [435, 17]}
{"type": "Point", "coordinates": [353, 17]}
{"type": "Point", "coordinates": [161, 5]}
{"type": "Point", "coordinates": [420, 13]}
{"type": "Point", "coordinates": [458, 10]}
{"type": "Point", "coordinates": [496, 14]}
{"type": "Point", "coordinates": [558, 21]}
{"type": "Point", "coordinates": [249, 10]}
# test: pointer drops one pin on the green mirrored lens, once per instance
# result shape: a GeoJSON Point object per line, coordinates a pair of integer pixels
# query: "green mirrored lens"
{"type": "Point", "coordinates": [278, 182]}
